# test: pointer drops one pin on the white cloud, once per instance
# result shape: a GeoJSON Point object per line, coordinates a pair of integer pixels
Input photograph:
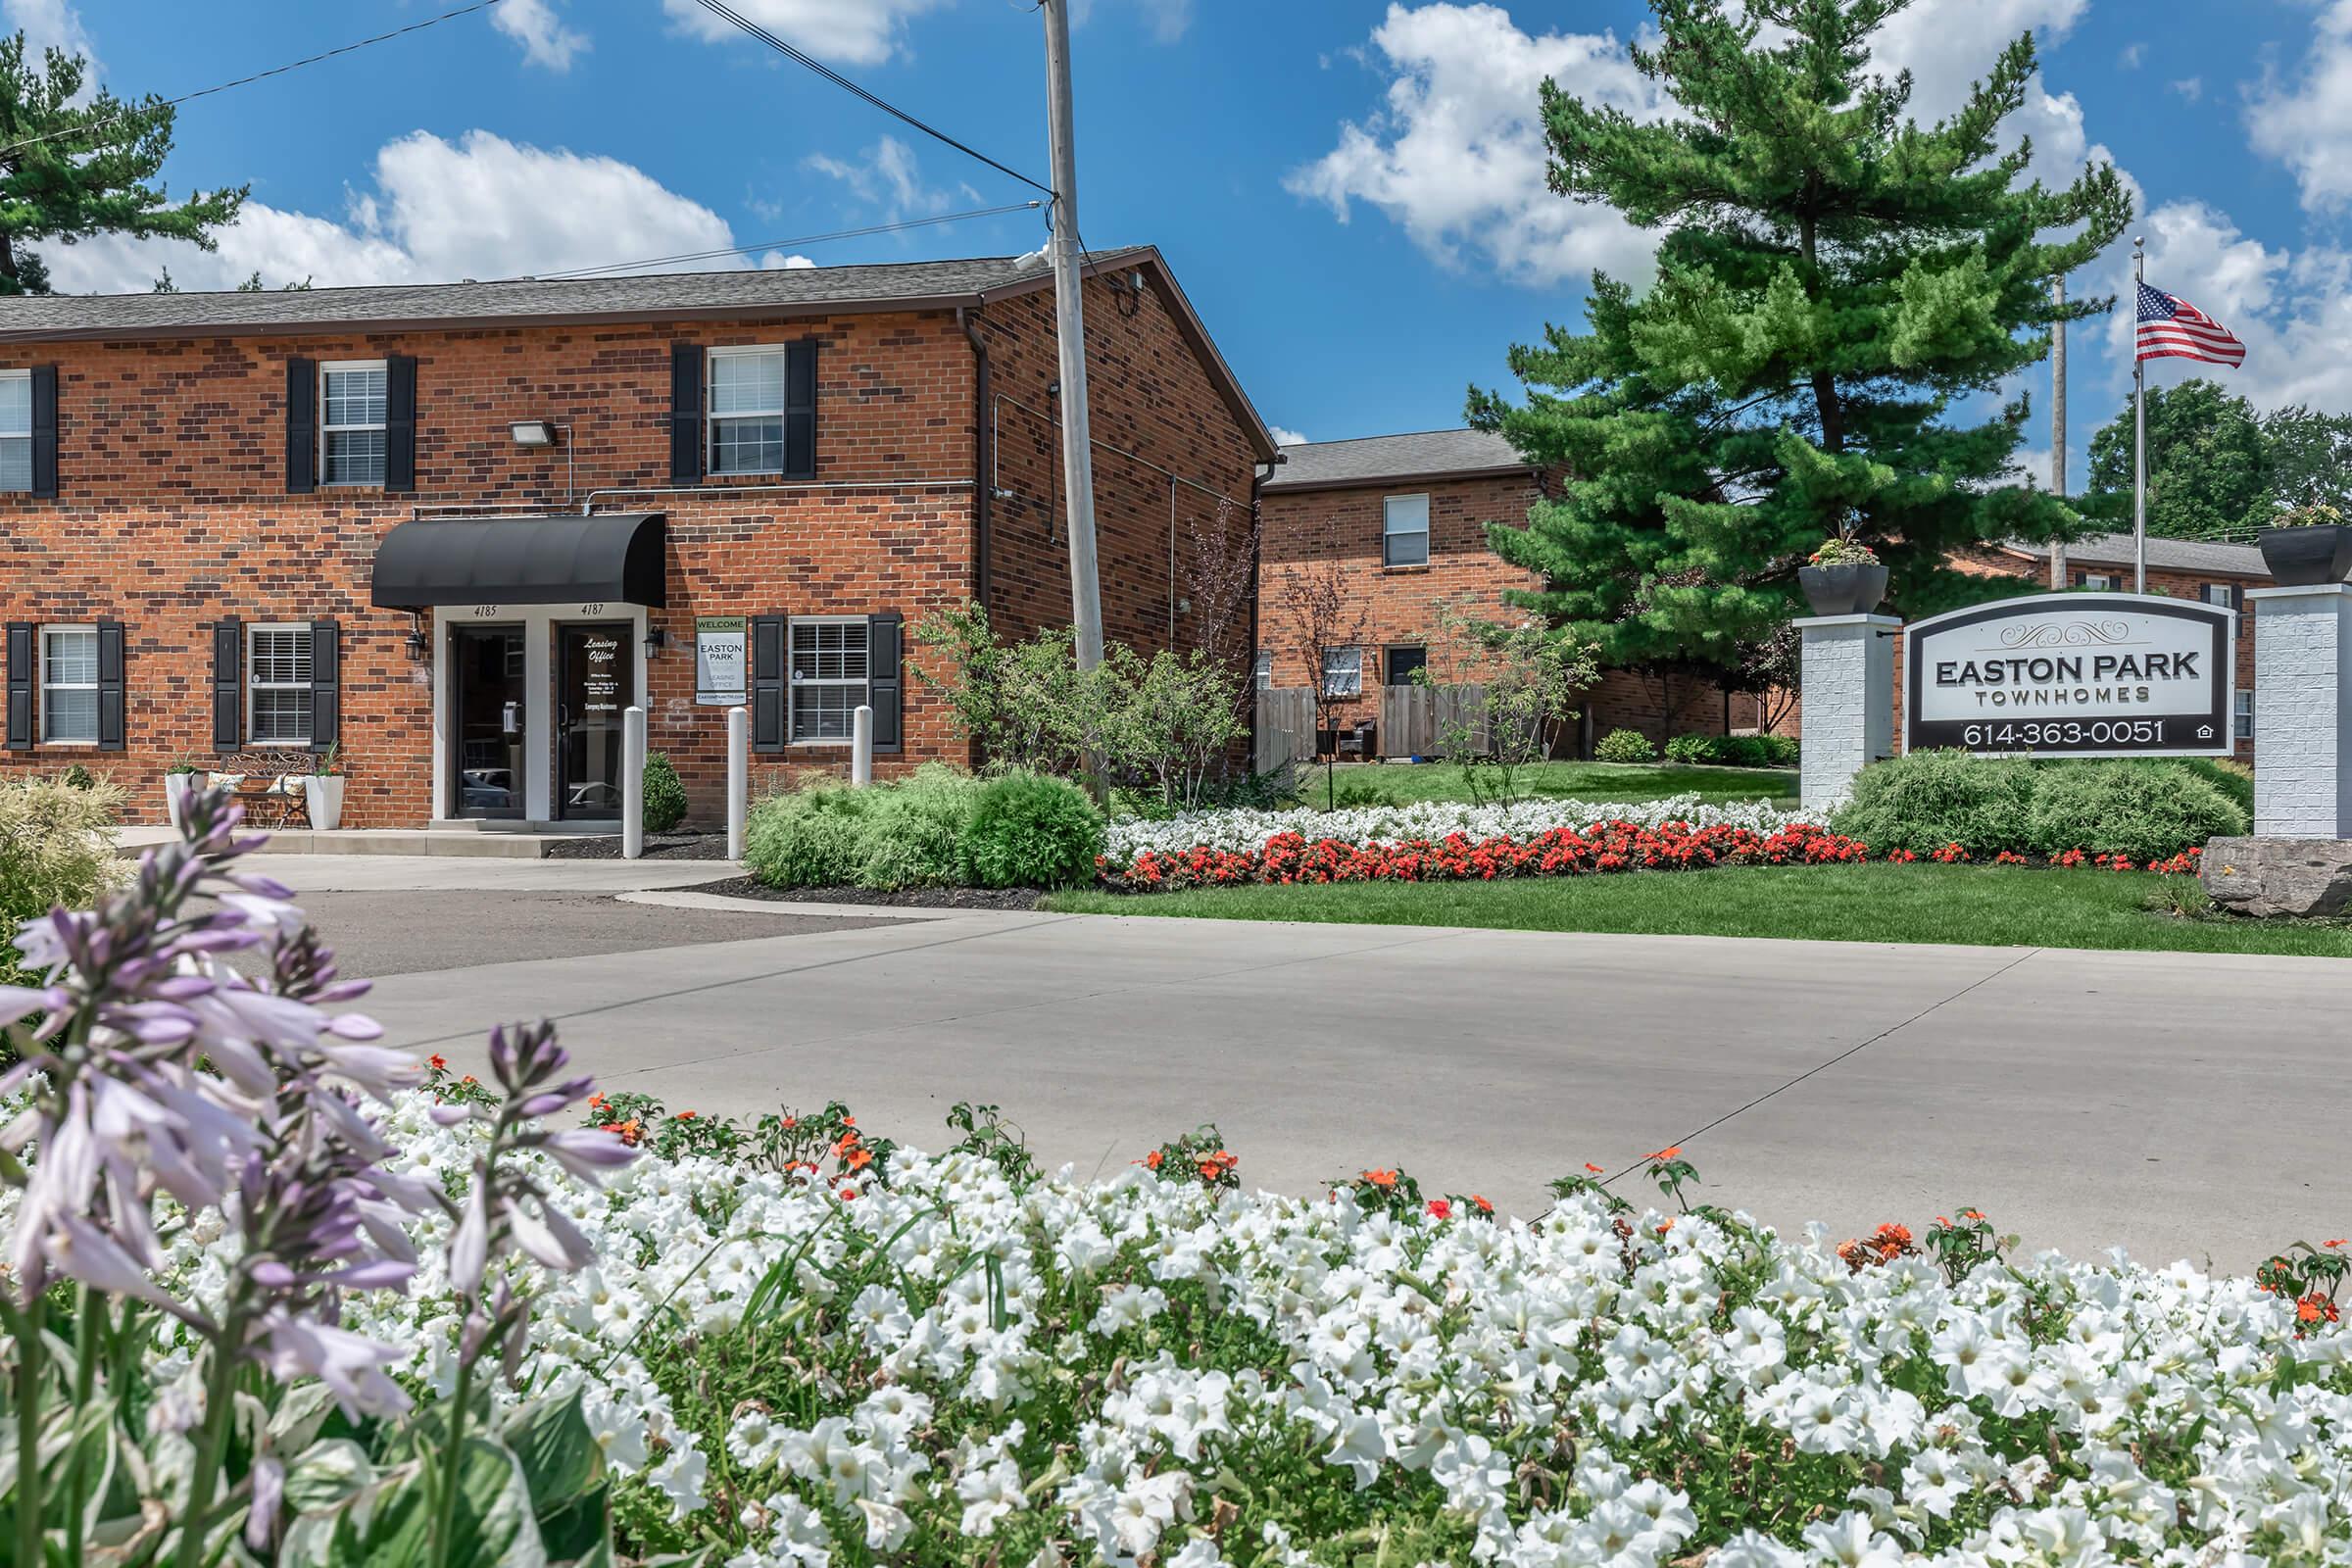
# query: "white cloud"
{"type": "Point", "coordinates": [1456, 158]}
{"type": "Point", "coordinates": [483, 207]}
{"type": "Point", "coordinates": [888, 177]}
{"type": "Point", "coordinates": [2307, 124]}
{"type": "Point", "coordinates": [1168, 18]}
{"type": "Point", "coordinates": [1283, 437]}
{"type": "Point", "coordinates": [2191, 88]}
{"type": "Point", "coordinates": [774, 261]}
{"type": "Point", "coordinates": [545, 39]}
{"type": "Point", "coordinates": [1948, 45]}
{"type": "Point", "coordinates": [2130, 55]}
{"type": "Point", "coordinates": [50, 22]}
{"type": "Point", "coordinates": [857, 32]}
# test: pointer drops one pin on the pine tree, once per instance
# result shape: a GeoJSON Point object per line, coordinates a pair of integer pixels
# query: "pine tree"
{"type": "Point", "coordinates": [69, 170]}
{"type": "Point", "coordinates": [2210, 463]}
{"type": "Point", "coordinates": [1836, 286]}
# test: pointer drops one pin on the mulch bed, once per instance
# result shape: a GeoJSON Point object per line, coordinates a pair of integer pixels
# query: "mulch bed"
{"type": "Point", "coordinates": [744, 887]}
{"type": "Point", "coordinates": [657, 847]}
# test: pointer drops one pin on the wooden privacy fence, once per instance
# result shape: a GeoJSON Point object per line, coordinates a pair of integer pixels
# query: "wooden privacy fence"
{"type": "Point", "coordinates": [1413, 720]}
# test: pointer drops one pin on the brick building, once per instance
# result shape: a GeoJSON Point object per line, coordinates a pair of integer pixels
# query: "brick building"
{"type": "Point", "coordinates": [1406, 518]}
{"type": "Point", "coordinates": [455, 529]}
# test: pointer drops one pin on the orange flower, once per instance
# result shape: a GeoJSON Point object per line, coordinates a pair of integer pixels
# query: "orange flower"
{"type": "Point", "coordinates": [1381, 1178]}
{"type": "Point", "coordinates": [790, 1122]}
{"type": "Point", "coordinates": [1667, 1226]}
{"type": "Point", "coordinates": [859, 1159]}
{"type": "Point", "coordinates": [1481, 1205]}
{"type": "Point", "coordinates": [468, 1078]}
{"type": "Point", "coordinates": [1439, 1209]}
{"type": "Point", "coordinates": [1594, 1169]}
{"type": "Point", "coordinates": [686, 1115]}
{"type": "Point", "coordinates": [2338, 1242]}
{"type": "Point", "coordinates": [1668, 1153]}
{"type": "Point", "coordinates": [1152, 1161]}
{"type": "Point", "coordinates": [439, 1063]}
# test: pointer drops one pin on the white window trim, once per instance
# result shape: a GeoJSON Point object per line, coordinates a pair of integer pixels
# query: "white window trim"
{"type": "Point", "coordinates": [2102, 582]}
{"type": "Point", "coordinates": [711, 417]}
{"type": "Point", "coordinates": [792, 685]}
{"type": "Point", "coordinates": [1388, 532]}
{"type": "Point", "coordinates": [253, 708]}
{"type": "Point", "coordinates": [2241, 718]}
{"type": "Point", "coordinates": [1357, 690]}
{"type": "Point", "coordinates": [2229, 599]}
{"type": "Point", "coordinates": [1262, 669]}
{"type": "Point", "coordinates": [325, 428]}
{"type": "Point", "coordinates": [24, 375]}
{"type": "Point", "coordinates": [41, 726]}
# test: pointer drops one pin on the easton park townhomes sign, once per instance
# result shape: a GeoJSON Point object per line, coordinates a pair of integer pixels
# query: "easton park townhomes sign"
{"type": "Point", "coordinates": [2073, 675]}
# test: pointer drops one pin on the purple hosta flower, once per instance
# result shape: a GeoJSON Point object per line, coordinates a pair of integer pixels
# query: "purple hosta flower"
{"type": "Point", "coordinates": [351, 1365]}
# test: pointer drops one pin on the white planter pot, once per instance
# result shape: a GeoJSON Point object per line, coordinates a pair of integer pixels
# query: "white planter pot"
{"type": "Point", "coordinates": [324, 791]}
{"type": "Point", "coordinates": [176, 789]}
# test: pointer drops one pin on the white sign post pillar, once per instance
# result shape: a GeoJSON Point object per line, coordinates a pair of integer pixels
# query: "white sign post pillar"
{"type": "Point", "coordinates": [1847, 689]}
{"type": "Point", "coordinates": [632, 784]}
{"type": "Point", "coordinates": [862, 746]}
{"type": "Point", "coordinates": [2303, 727]}
{"type": "Point", "coordinates": [739, 777]}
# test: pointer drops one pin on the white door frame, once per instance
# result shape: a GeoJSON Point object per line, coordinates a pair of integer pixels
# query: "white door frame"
{"type": "Point", "coordinates": [538, 623]}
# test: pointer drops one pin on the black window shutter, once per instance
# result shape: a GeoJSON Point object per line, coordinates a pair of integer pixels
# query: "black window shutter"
{"type": "Point", "coordinates": [685, 412]}
{"type": "Point", "coordinates": [2238, 595]}
{"type": "Point", "coordinates": [228, 675]}
{"type": "Point", "coordinates": [2081, 577]}
{"type": "Point", "coordinates": [44, 429]}
{"type": "Point", "coordinates": [20, 685]}
{"type": "Point", "coordinates": [327, 683]}
{"type": "Point", "coordinates": [885, 684]}
{"type": "Point", "coordinates": [302, 426]}
{"type": "Point", "coordinates": [800, 410]}
{"type": "Point", "coordinates": [767, 683]}
{"type": "Point", "coordinates": [400, 422]}
{"type": "Point", "coordinates": [109, 686]}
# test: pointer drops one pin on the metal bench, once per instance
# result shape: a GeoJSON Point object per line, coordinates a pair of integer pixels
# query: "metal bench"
{"type": "Point", "coordinates": [268, 785]}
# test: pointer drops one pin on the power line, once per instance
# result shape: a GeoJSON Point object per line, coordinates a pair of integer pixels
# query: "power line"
{"type": "Point", "coordinates": [782, 244]}
{"type": "Point", "coordinates": [720, 8]}
{"type": "Point", "coordinates": [242, 81]}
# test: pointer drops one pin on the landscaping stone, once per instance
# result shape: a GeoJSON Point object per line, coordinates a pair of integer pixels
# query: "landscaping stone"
{"type": "Point", "coordinates": [2275, 876]}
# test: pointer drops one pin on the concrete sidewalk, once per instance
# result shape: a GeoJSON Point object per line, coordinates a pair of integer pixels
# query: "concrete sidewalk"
{"type": "Point", "coordinates": [2181, 1105]}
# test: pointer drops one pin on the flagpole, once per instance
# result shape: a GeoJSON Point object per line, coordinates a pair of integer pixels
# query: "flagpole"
{"type": "Point", "coordinates": [2139, 432]}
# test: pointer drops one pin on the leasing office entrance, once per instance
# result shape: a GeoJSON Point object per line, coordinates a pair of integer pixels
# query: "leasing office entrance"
{"type": "Point", "coordinates": [538, 648]}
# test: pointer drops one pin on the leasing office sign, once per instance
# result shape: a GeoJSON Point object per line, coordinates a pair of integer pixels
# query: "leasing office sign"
{"type": "Point", "coordinates": [2073, 675]}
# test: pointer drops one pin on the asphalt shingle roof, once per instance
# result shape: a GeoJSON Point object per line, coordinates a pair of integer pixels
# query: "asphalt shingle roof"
{"type": "Point", "coordinates": [2170, 555]}
{"type": "Point", "coordinates": [1369, 458]}
{"type": "Point", "coordinates": [745, 291]}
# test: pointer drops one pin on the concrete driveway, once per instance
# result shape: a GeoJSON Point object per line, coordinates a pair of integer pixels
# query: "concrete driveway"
{"type": "Point", "coordinates": [2180, 1105]}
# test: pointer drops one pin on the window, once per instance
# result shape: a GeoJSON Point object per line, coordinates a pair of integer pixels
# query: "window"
{"type": "Point", "coordinates": [351, 427]}
{"type": "Point", "coordinates": [1404, 531]}
{"type": "Point", "coordinates": [1406, 664]}
{"type": "Point", "coordinates": [747, 411]}
{"type": "Point", "coordinates": [16, 429]}
{"type": "Point", "coordinates": [2222, 594]}
{"type": "Point", "coordinates": [2103, 582]}
{"type": "Point", "coordinates": [2245, 715]}
{"type": "Point", "coordinates": [829, 677]}
{"type": "Point", "coordinates": [1342, 672]}
{"type": "Point", "coordinates": [70, 683]}
{"type": "Point", "coordinates": [277, 685]}
{"type": "Point", "coordinates": [1261, 669]}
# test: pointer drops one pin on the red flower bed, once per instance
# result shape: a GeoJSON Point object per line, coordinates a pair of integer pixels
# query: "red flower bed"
{"type": "Point", "coordinates": [1290, 857]}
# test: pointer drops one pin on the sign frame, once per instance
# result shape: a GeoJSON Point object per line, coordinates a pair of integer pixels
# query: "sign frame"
{"type": "Point", "coordinates": [715, 630]}
{"type": "Point", "coordinates": [2218, 622]}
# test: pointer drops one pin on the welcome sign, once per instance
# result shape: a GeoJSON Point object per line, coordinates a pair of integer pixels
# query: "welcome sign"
{"type": "Point", "coordinates": [2073, 675]}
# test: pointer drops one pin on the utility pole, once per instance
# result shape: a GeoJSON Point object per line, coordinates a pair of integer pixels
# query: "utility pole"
{"type": "Point", "coordinates": [1069, 329]}
{"type": "Point", "coordinates": [2058, 426]}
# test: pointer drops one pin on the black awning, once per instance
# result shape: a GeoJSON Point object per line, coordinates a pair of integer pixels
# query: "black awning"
{"type": "Point", "coordinates": [616, 557]}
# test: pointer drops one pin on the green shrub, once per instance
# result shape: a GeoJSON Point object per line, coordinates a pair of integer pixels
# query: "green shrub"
{"type": "Point", "coordinates": [1692, 749]}
{"type": "Point", "coordinates": [909, 832]}
{"type": "Point", "coordinates": [1028, 830]}
{"type": "Point", "coordinates": [1927, 800]}
{"type": "Point", "coordinates": [2231, 777]}
{"type": "Point", "coordinates": [808, 839]}
{"type": "Point", "coordinates": [57, 846]}
{"type": "Point", "coordinates": [1780, 751]}
{"type": "Point", "coordinates": [2143, 809]}
{"type": "Point", "coordinates": [1732, 751]}
{"type": "Point", "coordinates": [664, 795]}
{"type": "Point", "coordinates": [1625, 746]}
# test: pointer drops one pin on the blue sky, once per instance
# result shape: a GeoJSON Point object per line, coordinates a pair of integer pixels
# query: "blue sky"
{"type": "Point", "coordinates": [1352, 193]}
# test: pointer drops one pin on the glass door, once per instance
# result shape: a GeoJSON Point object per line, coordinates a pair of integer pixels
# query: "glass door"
{"type": "Point", "coordinates": [487, 692]}
{"type": "Point", "coordinates": [596, 679]}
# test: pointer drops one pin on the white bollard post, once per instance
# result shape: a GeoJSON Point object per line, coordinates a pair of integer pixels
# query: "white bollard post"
{"type": "Point", "coordinates": [862, 746]}
{"type": "Point", "coordinates": [632, 784]}
{"type": "Point", "coordinates": [2303, 728]}
{"type": "Point", "coordinates": [739, 777]}
{"type": "Point", "coordinates": [1848, 716]}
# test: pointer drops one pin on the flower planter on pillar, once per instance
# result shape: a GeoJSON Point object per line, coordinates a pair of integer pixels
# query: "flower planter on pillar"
{"type": "Point", "coordinates": [1852, 588]}
{"type": "Point", "coordinates": [2304, 558]}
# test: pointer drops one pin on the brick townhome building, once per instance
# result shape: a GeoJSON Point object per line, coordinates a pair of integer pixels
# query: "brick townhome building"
{"type": "Point", "coordinates": [455, 529]}
{"type": "Point", "coordinates": [1408, 518]}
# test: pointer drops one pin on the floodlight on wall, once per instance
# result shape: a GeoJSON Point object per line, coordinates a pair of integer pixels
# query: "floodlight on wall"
{"type": "Point", "coordinates": [533, 432]}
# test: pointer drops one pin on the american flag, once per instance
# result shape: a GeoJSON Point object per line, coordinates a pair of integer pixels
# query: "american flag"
{"type": "Point", "coordinates": [2172, 328]}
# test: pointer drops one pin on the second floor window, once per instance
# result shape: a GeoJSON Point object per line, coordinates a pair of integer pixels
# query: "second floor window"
{"type": "Point", "coordinates": [1404, 531]}
{"type": "Point", "coordinates": [16, 429]}
{"type": "Point", "coordinates": [278, 680]}
{"type": "Point", "coordinates": [351, 423]}
{"type": "Point", "coordinates": [747, 411]}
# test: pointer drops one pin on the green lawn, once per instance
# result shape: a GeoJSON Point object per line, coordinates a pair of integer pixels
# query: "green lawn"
{"type": "Point", "coordinates": [1403, 782]}
{"type": "Point", "coordinates": [1997, 907]}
